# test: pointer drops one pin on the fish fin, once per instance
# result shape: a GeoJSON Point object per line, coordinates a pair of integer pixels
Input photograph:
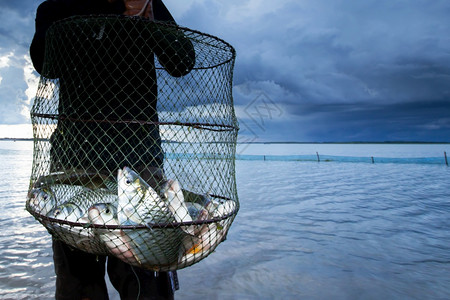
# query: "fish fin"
{"type": "Point", "coordinates": [197, 248]}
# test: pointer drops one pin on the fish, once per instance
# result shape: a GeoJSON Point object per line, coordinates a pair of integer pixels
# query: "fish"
{"type": "Point", "coordinates": [210, 237]}
{"type": "Point", "coordinates": [86, 198]}
{"type": "Point", "coordinates": [115, 240]}
{"type": "Point", "coordinates": [207, 236]}
{"type": "Point", "coordinates": [46, 197]}
{"type": "Point", "coordinates": [138, 202]}
{"type": "Point", "coordinates": [68, 211]}
{"type": "Point", "coordinates": [103, 214]}
{"type": "Point", "coordinates": [40, 201]}
{"type": "Point", "coordinates": [176, 204]}
{"type": "Point", "coordinates": [77, 236]}
{"type": "Point", "coordinates": [222, 208]}
{"type": "Point", "coordinates": [195, 210]}
{"type": "Point", "coordinates": [202, 199]}
{"type": "Point", "coordinates": [71, 204]}
{"type": "Point", "coordinates": [156, 247]}
{"type": "Point", "coordinates": [57, 188]}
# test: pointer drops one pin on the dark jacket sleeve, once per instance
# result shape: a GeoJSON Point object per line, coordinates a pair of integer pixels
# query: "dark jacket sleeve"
{"type": "Point", "coordinates": [175, 52]}
{"type": "Point", "coordinates": [161, 13]}
{"type": "Point", "coordinates": [51, 11]}
{"type": "Point", "coordinates": [47, 13]}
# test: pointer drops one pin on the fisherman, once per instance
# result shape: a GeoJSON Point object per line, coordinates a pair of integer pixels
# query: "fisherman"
{"type": "Point", "coordinates": [107, 119]}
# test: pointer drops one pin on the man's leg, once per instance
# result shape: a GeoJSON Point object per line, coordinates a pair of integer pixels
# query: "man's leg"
{"type": "Point", "coordinates": [136, 283]}
{"type": "Point", "coordinates": [79, 275]}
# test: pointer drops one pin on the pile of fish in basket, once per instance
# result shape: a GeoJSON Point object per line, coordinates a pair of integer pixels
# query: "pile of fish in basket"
{"type": "Point", "coordinates": [127, 218]}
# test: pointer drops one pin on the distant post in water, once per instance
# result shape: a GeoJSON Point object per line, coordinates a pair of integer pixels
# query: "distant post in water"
{"type": "Point", "coordinates": [318, 158]}
{"type": "Point", "coordinates": [373, 160]}
{"type": "Point", "coordinates": [445, 156]}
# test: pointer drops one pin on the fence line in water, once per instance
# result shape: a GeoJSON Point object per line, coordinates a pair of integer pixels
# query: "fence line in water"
{"type": "Point", "coordinates": [317, 158]}
{"type": "Point", "coordinates": [354, 159]}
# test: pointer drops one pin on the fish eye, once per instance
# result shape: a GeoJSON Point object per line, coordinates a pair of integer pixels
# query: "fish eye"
{"type": "Point", "coordinates": [128, 181]}
{"type": "Point", "coordinates": [107, 211]}
{"type": "Point", "coordinates": [57, 212]}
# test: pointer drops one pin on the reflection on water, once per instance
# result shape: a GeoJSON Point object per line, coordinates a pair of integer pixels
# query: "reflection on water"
{"type": "Point", "coordinates": [305, 230]}
{"type": "Point", "coordinates": [25, 255]}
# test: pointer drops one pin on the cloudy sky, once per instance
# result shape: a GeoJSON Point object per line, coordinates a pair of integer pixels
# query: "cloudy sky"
{"type": "Point", "coordinates": [322, 70]}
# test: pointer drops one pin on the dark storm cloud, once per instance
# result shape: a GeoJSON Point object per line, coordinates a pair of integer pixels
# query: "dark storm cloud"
{"type": "Point", "coordinates": [340, 70]}
{"type": "Point", "coordinates": [418, 121]}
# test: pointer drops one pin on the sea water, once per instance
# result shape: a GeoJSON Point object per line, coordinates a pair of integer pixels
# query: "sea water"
{"type": "Point", "coordinates": [305, 229]}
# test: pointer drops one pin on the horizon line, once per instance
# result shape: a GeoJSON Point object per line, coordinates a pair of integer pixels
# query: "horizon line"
{"type": "Point", "coordinates": [293, 142]}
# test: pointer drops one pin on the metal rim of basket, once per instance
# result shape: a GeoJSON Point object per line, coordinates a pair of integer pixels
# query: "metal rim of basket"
{"type": "Point", "coordinates": [226, 46]}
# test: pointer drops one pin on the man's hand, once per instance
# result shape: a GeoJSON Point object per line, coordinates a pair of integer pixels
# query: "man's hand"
{"type": "Point", "coordinates": [142, 8]}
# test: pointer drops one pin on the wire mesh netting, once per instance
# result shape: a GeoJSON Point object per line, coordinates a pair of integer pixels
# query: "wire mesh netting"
{"type": "Point", "coordinates": [134, 140]}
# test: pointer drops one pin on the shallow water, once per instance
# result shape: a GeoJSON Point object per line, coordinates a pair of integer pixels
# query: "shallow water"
{"type": "Point", "coordinates": [305, 230]}
{"type": "Point", "coordinates": [25, 255]}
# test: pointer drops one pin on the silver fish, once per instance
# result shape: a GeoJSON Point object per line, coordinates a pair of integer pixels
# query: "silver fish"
{"type": "Point", "coordinates": [103, 214]}
{"type": "Point", "coordinates": [115, 240]}
{"type": "Point", "coordinates": [195, 210]}
{"type": "Point", "coordinates": [203, 244]}
{"type": "Point", "coordinates": [208, 236]}
{"type": "Point", "coordinates": [175, 200]}
{"type": "Point", "coordinates": [156, 247]}
{"type": "Point", "coordinates": [86, 198]}
{"type": "Point", "coordinates": [40, 201]}
{"type": "Point", "coordinates": [44, 198]}
{"type": "Point", "coordinates": [68, 212]}
{"type": "Point", "coordinates": [77, 236]}
{"type": "Point", "coordinates": [138, 202]}
{"type": "Point", "coordinates": [75, 210]}
{"type": "Point", "coordinates": [221, 209]}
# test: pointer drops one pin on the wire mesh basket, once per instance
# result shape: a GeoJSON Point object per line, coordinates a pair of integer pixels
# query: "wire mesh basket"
{"type": "Point", "coordinates": [134, 140]}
